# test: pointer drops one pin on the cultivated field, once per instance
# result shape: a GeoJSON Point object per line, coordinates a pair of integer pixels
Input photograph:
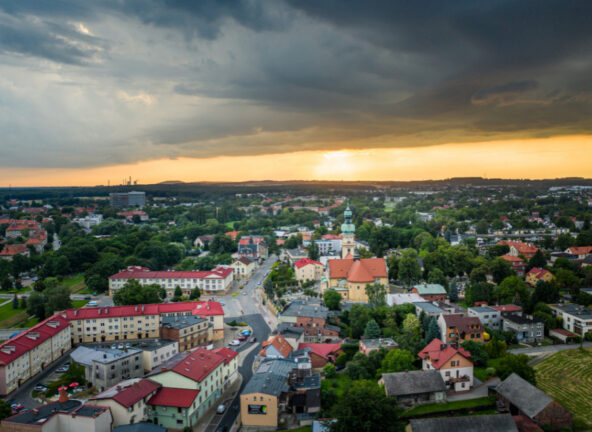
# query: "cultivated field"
{"type": "Point", "coordinates": [567, 377]}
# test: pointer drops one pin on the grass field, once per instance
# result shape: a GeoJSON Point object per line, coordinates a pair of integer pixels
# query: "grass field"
{"type": "Point", "coordinates": [9, 317]}
{"type": "Point", "coordinates": [79, 303]}
{"type": "Point", "coordinates": [340, 383]}
{"type": "Point", "coordinates": [440, 407]}
{"type": "Point", "coordinates": [389, 206]}
{"type": "Point", "coordinates": [75, 283]}
{"type": "Point", "coordinates": [567, 377]}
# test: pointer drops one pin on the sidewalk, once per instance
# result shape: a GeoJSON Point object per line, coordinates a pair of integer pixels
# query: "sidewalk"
{"type": "Point", "coordinates": [210, 419]}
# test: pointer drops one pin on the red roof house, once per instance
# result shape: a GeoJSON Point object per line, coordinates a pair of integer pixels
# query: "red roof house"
{"type": "Point", "coordinates": [277, 346]}
{"type": "Point", "coordinates": [322, 353]}
{"type": "Point", "coordinates": [174, 397]}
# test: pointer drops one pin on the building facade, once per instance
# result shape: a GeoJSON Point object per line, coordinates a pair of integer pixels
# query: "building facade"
{"type": "Point", "coordinates": [526, 329]}
{"type": "Point", "coordinates": [489, 317]}
{"type": "Point", "coordinates": [455, 365]}
{"type": "Point", "coordinates": [308, 270]}
{"type": "Point", "coordinates": [243, 268]}
{"type": "Point", "coordinates": [188, 331]}
{"type": "Point", "coordinates": [576, 318]}
{"type": "Point", "coordinates": [349, 277]}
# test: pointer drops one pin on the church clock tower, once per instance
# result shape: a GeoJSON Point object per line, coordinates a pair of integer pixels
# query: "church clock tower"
{"type": "Point", "coordinates": [348, 229]}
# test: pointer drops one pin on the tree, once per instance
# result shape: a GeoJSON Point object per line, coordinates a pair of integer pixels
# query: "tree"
{"type": "Point", "coordinates": [332, 299]}
{"type": "Point", "coordinates": [436, 276]}
{"type": "Point", "coordinates": [512, 290]}
{"type": "Point", "coordinates": [365, 408]}
{"type": "Point", "coordinates": [517, 364]}
{"type": "Point", "coordinates": [36, 305]}
{"type": "Point", "coordinates": [566, 279]}
{"type": "Point", "coordinates": [497, 250]}
{"type": "Point", "coordinates": [133, 293]}
{"type": "Point", "coordinates": [329, 370]}
{"type": "Point", "coordinates": [313, 250]}
{"type": "Point", "coordinates": [177, 294]}
{"type": "Point", "coordinates": [537, 260]}
{"type": "Point", "coordinates": [495, 348]}
{"type": "Point", "coordinates": [397, 360]}
{"type": "Point", "coordinates": [5, 410]}
{"type": "Point", "coordinates": [500, 269]}
{"type": "Point", "coordinates": [453, 292]}
{"type": "Point", "coordinates": [6, 284]}
{"type": "Point", "coordinates": [564, 241]}
{"type": "Point", "coordinates": [409, 270]}
{"type": "Point", "coordinates": [376, 295]}
{"type": "Point", "coordinates": [482, 227]}
{"type": "Point", "coordinates": [433, 330]}
{"type": "Point", "coordinates": [479, 355]}
{"type": "Point", "coordinates": [195, 294]}
{"type": "Point", "coordinates": [15, 302]}
{"type": "Point", "coordinates": [359, 316]}
{"type": "Point", "coordinates": [479, 274]}
{"type": "Point", "coordinates": [56, 299]}
{"type": "Point", "coordinates": [411, 325]}
{"type": "Point", "coordinates": [372, 330]}
{"type": "Point", "coordinates": [24, 303]}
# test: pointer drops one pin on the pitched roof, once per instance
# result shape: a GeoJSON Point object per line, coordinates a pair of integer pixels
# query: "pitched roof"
{"type": "Point", "coordinates": [363, 270]}
{"type": "Point", "coordinates": [478, 423]}
{"type": "Point", "coordinates": [245, 260]}
{"type": "Point", "coordinates": [199, 308]}
{"type": "Point", "coordinates": [226, 353]}
{"type": "Point", "coordinates": [522, 394]}
{"type": "Point", "coordinates": [199, 364]}
{"type": "Point", "coordinates": [232, 234]}
{"type": "Point", "coordinates": [507, 308]}
{"type": "Point", "coordinates": [127, 393]}
{"type": "Point", "coordinates": [438, 353]}
{"type": "Point", "coordinates": [14, 249]}
{"type": "Point", "coordinates": [463, 324]}
{"type": "Point", "coordinates": [135, 273]}
{"type": "Point", "coordinates": [580, 250]}
{"type": "Point", "coordinates": [322, 349]}
{"type": "Point", "coordinates": [431, 288]}
{"type": "Point", "coordinates": [512, 258]}
{"type": "Point", "coordinates": [280, 343]}
{"type": "Point", "coordinates": [306, 261]}
{"type": "Point", "coordinates": [174, 397]}
{"type": "Point", "coordinates": [413, 382]}
{"type": "Point", "coordinates": [521, 247]}
{"type": "Point", "coordinates": [538, 272]}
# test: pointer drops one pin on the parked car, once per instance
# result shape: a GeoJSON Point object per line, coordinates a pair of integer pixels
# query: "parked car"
{"type": "Point", "coordinates": [114, 346]}
{"type": "Point", "coordinates": [39, 388]}
{"type": "Point", "coordinates": [242, 338]}
{"type": "Point", "coordinates": [127, 345]}
{"type": "Point", "coordinates": [63, 369]}
{"type": "Point", "coordinates": [253, 339]}
{"type": "Point", "coordinates": [221, 408]}
{"type": "Point", "coordinates": [120, 346]}
{"type": "Point", "coordinates": [234, 343]}
{"type": "Point", "coordinates": [87, 298]}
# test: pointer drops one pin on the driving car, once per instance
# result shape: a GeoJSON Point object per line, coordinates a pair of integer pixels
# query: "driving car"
{"type": "Point", "coordinates": [234, 342]}
{"type": "Point", "coordinates": [221, 408]}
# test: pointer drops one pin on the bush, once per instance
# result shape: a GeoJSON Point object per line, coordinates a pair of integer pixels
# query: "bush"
{"type": "Point", "coordinates": [329, 370]}
{"type": "Point", "coordinates": [235, 323]}
{"type": "Point", "coordinates": [490, 371]}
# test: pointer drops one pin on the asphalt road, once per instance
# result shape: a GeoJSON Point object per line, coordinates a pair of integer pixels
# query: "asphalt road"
{"type": "Point", "coordinates": [550, 349]}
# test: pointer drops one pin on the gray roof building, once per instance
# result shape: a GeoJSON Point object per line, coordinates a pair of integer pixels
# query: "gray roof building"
{"type": "Point", "coordinates": [268, 383]}
{"type": "Point", "coordinates": [180, 322]}
{"type": "Point", "coordinates": [413, 382]}
{"type": "Point", "coordinates": [480, 423]}
{"type": "Point", "coordinates": [305, 309]}
{"type": "Point", "coordinates": [522, 394]}
{"type": "Point", "coordinates": [428, 308]}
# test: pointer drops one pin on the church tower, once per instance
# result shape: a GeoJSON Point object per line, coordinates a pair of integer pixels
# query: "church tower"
{"type": "Point", "coordinates": [348, 243]}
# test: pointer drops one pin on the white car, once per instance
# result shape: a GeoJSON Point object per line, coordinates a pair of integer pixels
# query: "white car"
{"type": "Point", "coordinates": [234, 342]}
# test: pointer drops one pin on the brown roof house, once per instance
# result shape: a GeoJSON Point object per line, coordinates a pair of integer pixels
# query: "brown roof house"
{"type": "Point", "coordinates": [456, 329]}
{"type": "Point", "coordinates": [412, 388]}
{"type": "Point", "coordinates": [276, 347]}
{"type": "Point", "coordinates": [522, 398]}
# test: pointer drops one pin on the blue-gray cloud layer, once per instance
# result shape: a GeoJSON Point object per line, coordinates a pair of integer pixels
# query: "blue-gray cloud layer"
{"type": "Point", "coordinates": [117, 81]}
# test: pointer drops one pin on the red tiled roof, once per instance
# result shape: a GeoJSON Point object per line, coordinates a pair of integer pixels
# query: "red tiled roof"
{"type": "Point", "coordinates": [247, 240]}
{"type": "Point", "coordinates": [131, 394]}
{"type": "Point", "coordinates": [13, 348]}
{"type": "Point", "coordinates": [280, 343]}
{"type": "Point", "coordinates": [521, 247]}
{"type": "Point", "coordinates": [538, 272]}
{"type": "Point", "coordinates": [306, 261]}
{"type": "Point", "coordinates": [331, 237]}
{"type": "Point", "coordinates": [174, 397]}
{"type": "Point", "coordinates": [322, 349]}
{"type": "Point", "coordinates": [245, 260]}
{"type": "Point", "coordinates": [199, 364]}
{"type": "Point", "coordinates": [232, 234]}
{"type": "Point", "coordinates": [134, 273]}
{"type": "Point", "coordinates": [200, 308]}
{"type": "Point", "coordinates": [507, 308]}
{"type": "Point", "coordinates": [563, 332]}
{"type": "Point", "coordinates": [14, 249]}
{"type": "Point", "coordinates": [227, 353]}
{"type": "Point", "coordinates": [363, 270]}
{"type": "Point", "coordinates": [438, 353]}
{"type": "Point", "coordinates": [580, 250]}
{"type": "Point", "coordinates": [513, 259]}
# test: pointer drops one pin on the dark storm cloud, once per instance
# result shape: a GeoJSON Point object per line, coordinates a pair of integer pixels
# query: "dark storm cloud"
{"type": "Point", "coordinates": [205, 77]}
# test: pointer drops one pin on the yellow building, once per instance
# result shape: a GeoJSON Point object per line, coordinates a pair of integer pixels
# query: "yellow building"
{"type": "Point", "coordinates": [243, 268]}
{"type": "Point", "coordinates": [349, 277]}
{"type": "Point", "coordinates": [260, 409]}
{"type": "Point", "coordinates": [538, 274]}
{"type": "Point", "coordinates": [307, 269]}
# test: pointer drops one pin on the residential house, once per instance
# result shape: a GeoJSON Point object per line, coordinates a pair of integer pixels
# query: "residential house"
{"type": "Point", "coordinates": [188, 331]}
{"type": "Point", "coordinates": [475, 423]}
{"type": "Point", "coordinates": [349, 276]}
{"type": "Point", "coordinates": [580, 252]}
{"type": "Point", "coordinates": [517, 264]}
{"type": "Point", "coordinates": [281, 388]}
{"type": "Point", "coordinates": [429, 309]}
{"type": "Point", "coordinates": [63, 416]}
{"type": "Point", "coordinates": [412, 388]}
{"type": "Point", "coordinates": [157, 351]}
{"type": "Point", "coordinates": [488, 316]}
{"type": "Point", "coordinates": [243, 268]}
{"type": "Point", "coordinates": [10, 250]}
{"type": "Point", "coordinates": [128, 400]}
{"type": "Point", "coordinates": [130, 215]}
{"type": "Point", "coordinates": [519, 248]}
{"type": "Point", "coordinates": [576, 318]}
{"type": "Point", "coordinates": [430, 292]}
{"type": "Point", "coordinates": [105, 367]}
{"type": "Point", "coordinates": [293, 335]}
{"type": "Point", "coordinates": [561, 334]}
{"type": "Point", "coordinates": [308, 270]}
{"type": "Point", "coordinates": [276, 347]}
{"type": "Point", "coordinates": [252, 247]}
{"type": "Point", "coordinates": [507, 309]}
{"type": "Point", "coordinates": [369, 345]}
{"type": "Point", "coordinates": [522, 398]}
{"type": "Point", "coordinates": [455, 365]}
{"type": "Point", "coordinates": [203, 241]}
{"type": "Point", "coordinates": [205, 373]}
{"type": "Point", "coordinates": [456, 329]}
{"type": "Point", "coordinates": [535, 274]}
{"type": "Point", "coordinates": [322, 353]}
{"type": "Point", "coordinates": [216, 281]}
{"type": "Point", "coordinates": [30, 352]}
{"type": "Point", "coordinates": [527, 329]}
{"type": "Point", "coordinates": [312, 317]}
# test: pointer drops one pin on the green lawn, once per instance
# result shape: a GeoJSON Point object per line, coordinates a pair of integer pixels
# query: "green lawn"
{"type": "Point", "coordinates": [480, 374]}
{"type": "Point", "coordinates": [9, 317]}
{"type": "Point", "coordinates": [75, 283]}
{"type": "Point", "coordinates": [6, 311]}
{"type": "Point", "coordinates": [567, 377]}
{"type": "Point", "coordinates": [440, 407]}
{"type": "Point", "coordinates": [340, 383]}
{"type": "Point", "coordinates": [29, 323]}
{"type": "Point", "coordinates": [79, 303]}
{"type": "Point", "coordinates": [230, 224]}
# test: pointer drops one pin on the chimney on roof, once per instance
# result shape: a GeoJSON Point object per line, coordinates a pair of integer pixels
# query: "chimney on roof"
{"type": "Point", "coordinates": [443, 347]}
{"type": "Point", "coordinates": [63, 396]}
